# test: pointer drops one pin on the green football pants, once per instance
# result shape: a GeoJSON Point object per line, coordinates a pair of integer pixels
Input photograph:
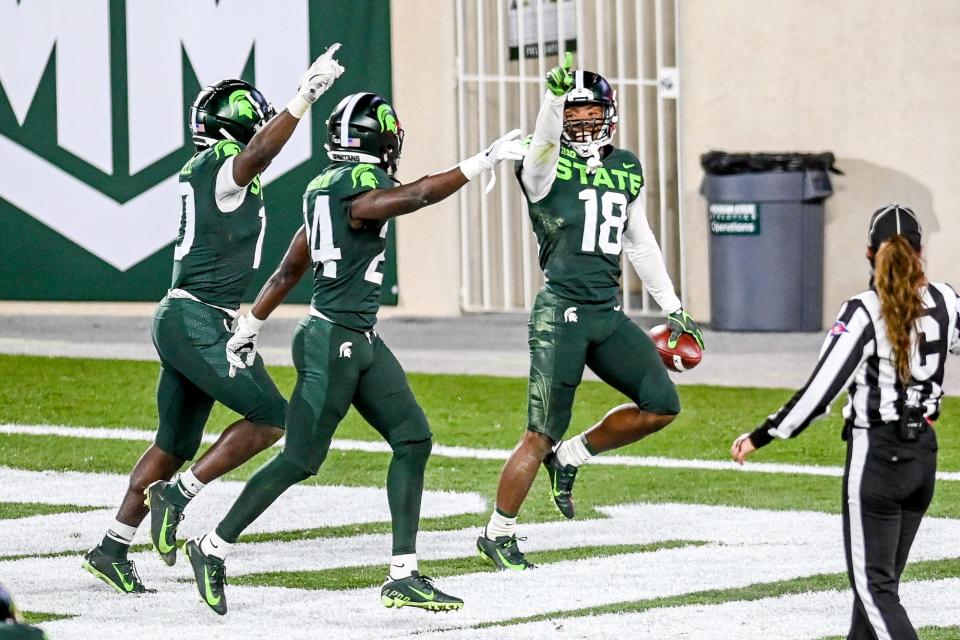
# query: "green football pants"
{"type": "Point", "coordinates": [566, 336]}
{"type": "Point", "coordinates": [191, 338]}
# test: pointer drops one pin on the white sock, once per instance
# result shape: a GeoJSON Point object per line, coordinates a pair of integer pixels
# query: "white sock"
{"type": "Point", "coordinates": [213, 545]}
{"type": "Point", "coordinates": [403, 565]}
{"type": "Point", "coordinates": [121, 532]}
{"type": "Point", "coordinates": [573, 452]}
{"type": "Point", "coordinates": [500, 525]}
{"type": "Point", "coordinates": [188, 484]}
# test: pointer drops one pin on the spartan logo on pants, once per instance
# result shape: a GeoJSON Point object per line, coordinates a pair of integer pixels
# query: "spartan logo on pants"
{"type": "Point", "coordinates": [570, 314]}
{"type": "Point", "coordinates": [103, 216]}
{"type": "Point", "coordinates": [346, 350]}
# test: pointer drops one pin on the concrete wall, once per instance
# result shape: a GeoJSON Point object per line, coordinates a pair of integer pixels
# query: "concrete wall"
{"type": "Point", "coordinates": [424, 94]}
{"type": "Point", "coordinates": [875, 82]}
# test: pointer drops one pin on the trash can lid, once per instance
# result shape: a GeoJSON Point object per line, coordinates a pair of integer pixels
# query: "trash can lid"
{"type": "Point", "coordinates": [721, 163]}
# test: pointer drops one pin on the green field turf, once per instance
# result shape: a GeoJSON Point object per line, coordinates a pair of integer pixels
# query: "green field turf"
{"type": "Point", "coordinates": [480, 412]}
{"type": "Point", "coordinates": [474, 411]}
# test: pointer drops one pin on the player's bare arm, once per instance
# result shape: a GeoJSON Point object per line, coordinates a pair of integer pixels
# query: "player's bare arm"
{"type": "Point", "coordinates": [382, 204]}
{"type": "Point", "coordinates": [242, 346]}
{"type": "Point", "coordinates": [294, 264]}
{"type": "Point", "coordinates": [268, 141]}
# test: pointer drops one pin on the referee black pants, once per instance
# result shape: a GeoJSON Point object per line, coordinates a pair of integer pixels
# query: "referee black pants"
{"type": "Point", "coordinates": [888, 485]}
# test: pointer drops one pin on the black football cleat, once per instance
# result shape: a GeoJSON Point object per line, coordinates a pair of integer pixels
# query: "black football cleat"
{"type": "Point", "coordinates": [561, 484]}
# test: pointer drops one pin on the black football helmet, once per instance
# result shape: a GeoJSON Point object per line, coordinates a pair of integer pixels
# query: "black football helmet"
{"type": "Point", "coordinates": [8, 610]}
{"type": "Point", "coordinates": [364, 128]}
{"type": "Point", "coordinates": [228, 110]}
{"type": "Point", "coordinates": [582, 135]}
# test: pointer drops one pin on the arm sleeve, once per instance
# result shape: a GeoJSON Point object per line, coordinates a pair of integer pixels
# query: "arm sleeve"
{"type": "Point", "coordinates": [841, 355]}
{"type": "Point", "coordinates": [229, 194]}
{"type": "Point", "coordinates": [644, 254]}
{"type": "Point", "coordinates": [539, 168]}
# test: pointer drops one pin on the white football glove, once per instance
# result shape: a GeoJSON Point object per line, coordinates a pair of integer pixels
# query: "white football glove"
{"type": "Point", "coordinates": [242, 345]}
{"type": "Point", "coordinates": [508, 147]}
{"type": "Point", "coordinates": [315, 82]}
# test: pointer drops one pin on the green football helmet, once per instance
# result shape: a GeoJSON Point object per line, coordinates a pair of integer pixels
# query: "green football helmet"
{"type": "Point", "coordinates": [365, 128]}
{"type": "Point", "coordinates": [228, 110]}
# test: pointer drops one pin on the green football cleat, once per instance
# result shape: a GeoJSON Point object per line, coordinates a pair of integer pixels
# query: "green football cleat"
{"type": "Point", "coordinates": [561, 484]}
{"type": "Point", "coordinates": [211, 575]}
{"type": "Point", "coordinates": [417, 591]}
{"type": "Point", "coordinates": [165, 517]}
{"type": "Point", "coordinates": [119, 573]}
{"type": "Point", "coordinates": [504, 553]}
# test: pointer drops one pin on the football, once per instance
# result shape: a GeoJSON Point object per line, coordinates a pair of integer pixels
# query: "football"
{"type": "Point", "coordinates": [685, 356]}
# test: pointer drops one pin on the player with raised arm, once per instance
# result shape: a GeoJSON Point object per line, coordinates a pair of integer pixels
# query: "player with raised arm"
{"type": "Point", "coordinates": [222, 225]}
{"type": "Point", "coordinates": [340, 359]}
{"type": "Point", "coordinates": [585, 204]}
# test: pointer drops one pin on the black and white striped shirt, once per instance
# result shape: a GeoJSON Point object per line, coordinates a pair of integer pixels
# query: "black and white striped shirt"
{"type": "Point", "coordinates": [857, 350]}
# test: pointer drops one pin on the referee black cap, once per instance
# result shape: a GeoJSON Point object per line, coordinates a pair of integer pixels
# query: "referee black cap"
{"type": "Point", "coordinates": [891, 220]}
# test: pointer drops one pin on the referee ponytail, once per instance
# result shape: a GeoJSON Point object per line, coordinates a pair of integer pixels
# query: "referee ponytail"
{"type": "Point", "coordinates": [898, 277]}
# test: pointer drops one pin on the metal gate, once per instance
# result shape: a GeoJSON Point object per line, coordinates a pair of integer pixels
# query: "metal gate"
{"type": "Point", "coordinates": [504, 49]}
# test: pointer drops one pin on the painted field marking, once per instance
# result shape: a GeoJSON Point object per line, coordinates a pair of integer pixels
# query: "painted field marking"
{"type": "Point", "coordinates": [660, 462]}
{"type": "Point", "coordinates": [301, 507]}
{"type": "Point", "coordinates": [806, 616]}
{"type": "Point", "coordinates": [795, 544]}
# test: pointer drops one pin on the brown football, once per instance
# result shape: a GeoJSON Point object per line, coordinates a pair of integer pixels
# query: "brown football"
{"type": "Point", "coordinates": [685, 356]}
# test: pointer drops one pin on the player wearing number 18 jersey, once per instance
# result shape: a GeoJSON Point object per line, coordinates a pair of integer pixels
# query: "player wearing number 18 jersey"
{"type": "Point", "coordinates": [584, 200]}
{"type": "Point", "coordinates": [222, 225]}
{"type": "Point", "coordinates": [339, 357]}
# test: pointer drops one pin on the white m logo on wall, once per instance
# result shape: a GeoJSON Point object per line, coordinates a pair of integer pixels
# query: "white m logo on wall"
{"type": "Point", "coordinates": [118, 70]}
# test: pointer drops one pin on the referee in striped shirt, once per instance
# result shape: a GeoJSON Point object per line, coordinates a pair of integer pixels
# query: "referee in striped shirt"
{"type": "Point", "coordinates": [888, 347]}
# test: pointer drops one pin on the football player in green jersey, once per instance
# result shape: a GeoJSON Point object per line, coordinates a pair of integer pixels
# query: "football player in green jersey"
{"type": "Point", "coordinates": [222, 226]}
{"type": "Point", "coordinates": [339, 357]}
{"type": "Point", "coordinates": [585, 206]}
{"type": "Point", "coordinates": [11, 627]}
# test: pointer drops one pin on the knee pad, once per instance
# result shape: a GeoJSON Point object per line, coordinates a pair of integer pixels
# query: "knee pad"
{"type": "Point", "coordinates": [418, 450]}
{"type": "Point", "coordinates": [272, 413]}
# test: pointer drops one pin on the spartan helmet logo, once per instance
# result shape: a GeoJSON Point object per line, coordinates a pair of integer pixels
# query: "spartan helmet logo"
{"type": "Point", "coordinates": [240, 104]}
{"type": "Point", "coordinates": [570, 314]}
{"type": "Point", "coordinates": [388, 121]}
{"type": "Point", "coordinates": [345, 350]}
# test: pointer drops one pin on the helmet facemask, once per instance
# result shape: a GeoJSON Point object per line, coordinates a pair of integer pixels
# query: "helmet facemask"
{"type": "Point", "coordinates": [587, 133]}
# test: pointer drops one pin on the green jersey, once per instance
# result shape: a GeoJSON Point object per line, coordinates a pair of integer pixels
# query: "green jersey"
{"type": "Point", "coordinates": [346, 261]}
{"type": "Point", "coordinates": [217, 251]}
{"type": "Point", "coordinates": [580, 223]}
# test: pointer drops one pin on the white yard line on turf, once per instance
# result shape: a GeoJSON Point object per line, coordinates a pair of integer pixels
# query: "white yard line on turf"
{"type": "Point", "coordinates": [794, 545]}
{"type": "Point", "coordinates": [303, 506]}
{"type": "Point", "coordinates": [805, 616]}
{"type": "Point", "coordinates": [105, 433]}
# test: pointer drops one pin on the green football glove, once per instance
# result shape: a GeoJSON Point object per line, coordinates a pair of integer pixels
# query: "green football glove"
{"type": "Point", "coordinates": [681, 322]}
{"type": "Point", "coordinates": [559, 79]}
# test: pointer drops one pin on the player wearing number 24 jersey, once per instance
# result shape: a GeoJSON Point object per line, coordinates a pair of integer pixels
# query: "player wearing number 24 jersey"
{"type": "Point", "coordinates": [340, 359]}
{"type": "Point", "coordinates": [585, 204]}
{"type": "Point", "coordinates": [222, 224]}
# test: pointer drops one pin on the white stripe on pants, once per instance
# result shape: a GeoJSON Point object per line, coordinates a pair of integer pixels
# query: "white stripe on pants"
{"type": "Point", "coordinates": [858, 551]}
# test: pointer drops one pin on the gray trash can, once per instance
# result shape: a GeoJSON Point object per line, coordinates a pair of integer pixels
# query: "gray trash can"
{"type": "Point", "coordinates": [766, 239]}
